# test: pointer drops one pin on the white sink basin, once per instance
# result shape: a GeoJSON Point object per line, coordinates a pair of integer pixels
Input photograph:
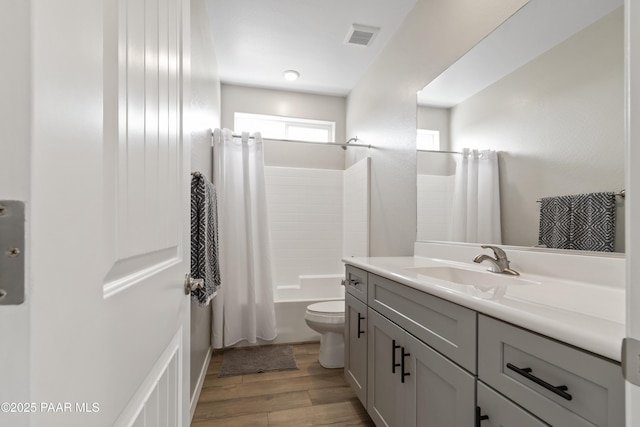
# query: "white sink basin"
{"type": "Point", "coordinates": [462, 276]}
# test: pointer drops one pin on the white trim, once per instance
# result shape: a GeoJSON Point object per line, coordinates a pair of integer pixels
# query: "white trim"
{"type": "Point", "coordinates": [632, 137]}
{"type": "Point", "coordinates": [136, 405]}
{"type": "Point", "coordinates": [110, 288]}
{"type": "Point", "coordinates": [200, 383]}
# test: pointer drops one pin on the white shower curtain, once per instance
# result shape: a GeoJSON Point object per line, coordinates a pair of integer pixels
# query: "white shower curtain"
{"type": "Point", "coordinates": [476, 198]}
{"type": "Point", "coordinates": [244, 308]}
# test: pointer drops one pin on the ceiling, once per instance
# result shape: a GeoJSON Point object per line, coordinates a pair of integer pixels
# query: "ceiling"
{"type": "Point", "coordinates": [256, 40]}
{"type": "Point", "coordinates": [534, 29]}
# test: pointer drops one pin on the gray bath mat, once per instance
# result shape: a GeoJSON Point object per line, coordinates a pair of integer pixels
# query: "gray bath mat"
{"type": "Point", "coordinates": [253, 360]}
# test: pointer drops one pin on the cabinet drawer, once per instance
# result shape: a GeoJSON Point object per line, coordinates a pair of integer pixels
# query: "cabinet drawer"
{"type": "Point", "coordinates": [445, 326]}
{"type": "Point", "coordinates": [356, 282]}
{"type": "Point", "coordinates": [533, 371]}
{"type": "Point", "coordinates": [502, 412]}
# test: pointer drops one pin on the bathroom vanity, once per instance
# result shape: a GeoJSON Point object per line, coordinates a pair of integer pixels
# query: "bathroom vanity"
{"type": "Point", "coordinates": [444, 343]}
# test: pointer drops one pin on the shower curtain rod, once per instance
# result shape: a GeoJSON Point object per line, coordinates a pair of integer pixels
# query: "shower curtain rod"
{"type": "Point", "coordinates": [343, 145]}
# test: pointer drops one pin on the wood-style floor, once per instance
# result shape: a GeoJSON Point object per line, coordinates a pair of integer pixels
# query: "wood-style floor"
{"type": "Point", "coordinates": [310, 396]}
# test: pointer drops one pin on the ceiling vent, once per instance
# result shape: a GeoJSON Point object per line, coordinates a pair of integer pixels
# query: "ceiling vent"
{"type": "Point", "coordinates": [361, 35]}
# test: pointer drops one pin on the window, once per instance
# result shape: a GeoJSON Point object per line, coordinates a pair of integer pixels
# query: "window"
{"type": "Point", "coordinates": [428, 139]}
{"type": "Point", "coordinates": [276, 127]}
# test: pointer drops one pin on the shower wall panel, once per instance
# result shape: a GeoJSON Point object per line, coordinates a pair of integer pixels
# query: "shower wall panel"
{"type": "Point", "coordinates": [305, 208]}
{"type": "Point", "coordinates": [356, 210]}
{"type": "Point", "coordinates": [435, 198]}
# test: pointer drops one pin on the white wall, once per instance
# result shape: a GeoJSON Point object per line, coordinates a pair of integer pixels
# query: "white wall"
{"type": "Point", "coordinates": [381, 109]}
{"type": "Point", "coordinates": [205, 115]}
{"type": "Point", "coordinates": [558, 122]}
{"type": "Point", "coordinates": [290, 104]}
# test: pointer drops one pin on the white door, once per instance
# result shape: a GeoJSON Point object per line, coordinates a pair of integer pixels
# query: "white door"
{"type": "Point", "coordinates": [105, 338]}
{"type": "Point", "coordinates": [632, 77]}
{"type": "Point", "coordinates": [14, 185]}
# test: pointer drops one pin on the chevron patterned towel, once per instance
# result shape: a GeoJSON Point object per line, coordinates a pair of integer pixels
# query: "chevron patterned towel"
{"type": "Point", "coordinates": [204, 239]}
{"type": "Point", "coordinates": [583, 222]}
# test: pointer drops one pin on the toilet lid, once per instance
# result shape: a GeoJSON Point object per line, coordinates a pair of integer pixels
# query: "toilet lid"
{"type": "Point", "coordinates": [327, 307]}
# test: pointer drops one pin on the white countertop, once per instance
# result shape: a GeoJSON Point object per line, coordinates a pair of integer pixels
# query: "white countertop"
{"type": "Point", "coordinates": [588, 316]}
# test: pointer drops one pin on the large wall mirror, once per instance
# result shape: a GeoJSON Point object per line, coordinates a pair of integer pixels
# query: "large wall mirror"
{"type": "Point", "coordinates": [529, 119]}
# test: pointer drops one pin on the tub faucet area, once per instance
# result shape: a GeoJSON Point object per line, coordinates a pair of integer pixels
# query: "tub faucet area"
{"type": "Point", "coordinates": [499, 264]}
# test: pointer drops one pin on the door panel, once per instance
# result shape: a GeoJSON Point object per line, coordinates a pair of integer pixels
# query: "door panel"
{"type": "Point", "coordinates": [355, 367]}
{"type": "Point", "coordinates": [502, 412]}
{"type": "Point", "coordinates": [144, 170]}
{"type": "Point", "coordinates": [110, 193]}
{"type": "Point", "coordinates": [438, 392]}
{"type": "Point", "coordinates": [385, 394]}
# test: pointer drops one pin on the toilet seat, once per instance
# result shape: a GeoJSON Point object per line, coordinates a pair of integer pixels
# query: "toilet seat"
{"type": "Point", "coordinates": [329, 307]}
{"type": "Point", "coordinates": [326, 312]}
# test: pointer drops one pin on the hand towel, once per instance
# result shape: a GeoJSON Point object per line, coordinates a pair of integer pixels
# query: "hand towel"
{"type": "Point", "coordinates": [583, 222]}
{"type": "Point", "coordinates": [204, 238]}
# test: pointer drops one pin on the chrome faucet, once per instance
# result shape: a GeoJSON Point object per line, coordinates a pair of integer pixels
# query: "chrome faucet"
{"type": "Point", "coordinates": [500, 264]}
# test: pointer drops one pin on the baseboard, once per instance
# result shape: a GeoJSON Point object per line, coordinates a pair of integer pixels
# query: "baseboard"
{"type": "Point", "coordinates": [201, 378]}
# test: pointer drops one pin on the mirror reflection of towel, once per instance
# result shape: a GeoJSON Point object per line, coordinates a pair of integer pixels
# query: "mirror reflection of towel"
{"type": "Point", "coordinates": [583, 222]}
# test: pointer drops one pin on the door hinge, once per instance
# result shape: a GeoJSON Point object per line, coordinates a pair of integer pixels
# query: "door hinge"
{"type": "Point", "coordinates": [631, 360]}
{"type": "Point", "coordinates": [11, 252]}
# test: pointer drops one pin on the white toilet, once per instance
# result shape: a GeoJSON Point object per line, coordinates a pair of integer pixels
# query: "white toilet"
{"type": "Point", "coordinates": [327, 318]}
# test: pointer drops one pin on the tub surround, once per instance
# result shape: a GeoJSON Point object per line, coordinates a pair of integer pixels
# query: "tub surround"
{"type": "Point", "coordinates": [575, 298]}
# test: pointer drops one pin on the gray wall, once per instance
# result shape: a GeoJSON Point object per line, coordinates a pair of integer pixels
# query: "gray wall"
{"type": "Point", "coordinates": [559, 124]}
{"type": "Point", "coordinates": [381, 109]}
{"type": "Point", "coordinates": [205, 115]}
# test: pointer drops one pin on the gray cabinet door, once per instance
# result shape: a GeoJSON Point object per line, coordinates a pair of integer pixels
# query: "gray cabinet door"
{"type": "Point", "coordinates": [437, 392]}
{"type": "Point", "coordinates": [385, 397]}
{"type": "Point", "coordinates": [355, 356]}
{"type": "Point", "coordinates": [502, 412]}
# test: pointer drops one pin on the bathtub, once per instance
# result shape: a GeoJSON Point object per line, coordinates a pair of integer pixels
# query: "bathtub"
{"type": "Point", "coordinates": [291, 303]}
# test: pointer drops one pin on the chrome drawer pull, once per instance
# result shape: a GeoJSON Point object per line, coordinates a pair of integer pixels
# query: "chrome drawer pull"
{"type": "Point", "coordinates": [360, 318]}
{"type": "Point", "coordinates": [394, 365]}
{"type": "Point", "coordinates": [560, 390]}
{"type": "Point", "coordinates": [354, 282]}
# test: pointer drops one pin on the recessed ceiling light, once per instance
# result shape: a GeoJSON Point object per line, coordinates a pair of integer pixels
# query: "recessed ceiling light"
{"type": "Point", "coordinates": [291, 75]}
